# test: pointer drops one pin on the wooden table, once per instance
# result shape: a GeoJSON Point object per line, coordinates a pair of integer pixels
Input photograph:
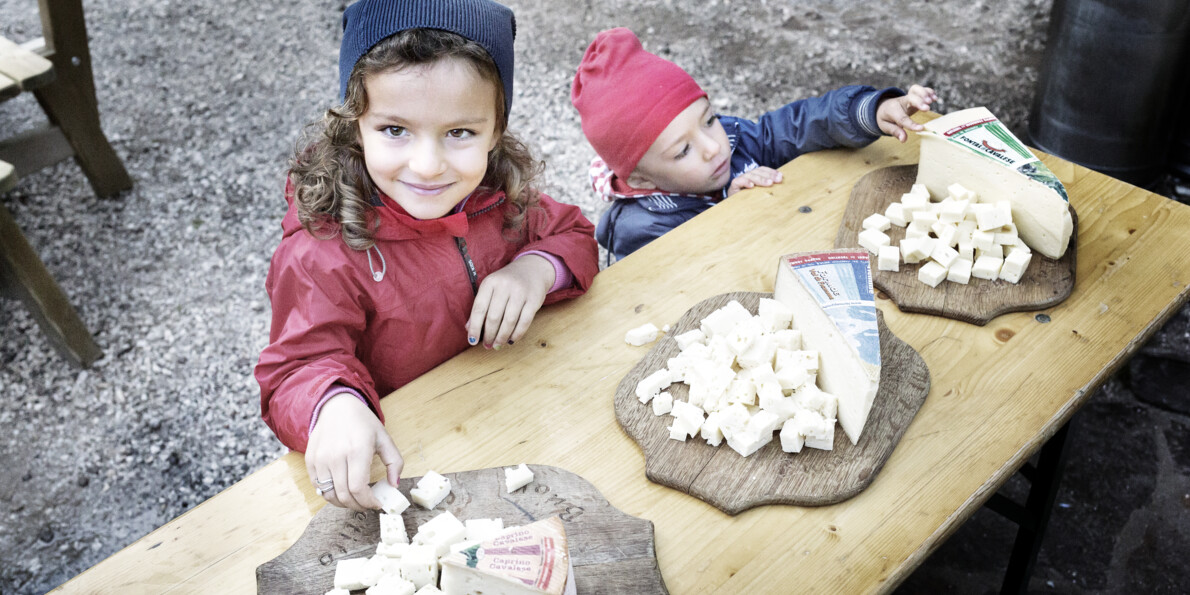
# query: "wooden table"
{"type": "Point", "coordinates": [998, 393]}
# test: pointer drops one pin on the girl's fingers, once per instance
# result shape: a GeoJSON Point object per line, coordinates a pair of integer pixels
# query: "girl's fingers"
{"type": "Point", "coordinates": [358, 471]}
{"type": "Point", "coordinates": [391, 457]}
{"type": "Point", "coordinates": [528, 312]}
{"type": "Point", "coordinates": [479, 311]}
{"type": "Point", "coordinates": [508, 323]}
{"type": "Point", "coordinates": [495, 315]}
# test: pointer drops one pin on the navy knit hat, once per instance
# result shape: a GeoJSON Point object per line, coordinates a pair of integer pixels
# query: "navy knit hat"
{"type": "Point", "coordinates": [367, 22]}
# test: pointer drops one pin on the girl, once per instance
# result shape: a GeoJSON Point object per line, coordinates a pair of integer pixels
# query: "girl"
{"type": "Point", "coordinates": [412, 232]}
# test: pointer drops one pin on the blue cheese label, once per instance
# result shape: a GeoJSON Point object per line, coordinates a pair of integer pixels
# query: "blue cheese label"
{"type": "Point", "coordinates": [841, 283]}
{"type": "Point", "coordinates": [987, 137]}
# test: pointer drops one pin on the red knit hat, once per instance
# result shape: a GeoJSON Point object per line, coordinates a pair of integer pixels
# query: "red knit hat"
{"type": "Point", "coordinates": [627, 96]}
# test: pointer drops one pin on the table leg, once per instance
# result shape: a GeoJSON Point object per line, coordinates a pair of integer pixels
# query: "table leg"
{"type": "Point", "coordinates": [1044, 480]}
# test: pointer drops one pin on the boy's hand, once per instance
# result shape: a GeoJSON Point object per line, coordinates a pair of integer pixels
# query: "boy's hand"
{"type": "Point", "coordinates": [761, 176]}
{"type": "Point", "coordinates": [507, 301]}
{"type": "Point", "coordinates": [892, 115]}
{"type": "Point", "coordinates": [345, 438]}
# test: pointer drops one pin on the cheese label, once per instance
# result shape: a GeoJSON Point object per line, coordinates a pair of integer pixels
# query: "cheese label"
{"type": "Point", "coordinates": [534, 555]}
{"type": "Point", "coordinates": [986, 136]}
{"type": "Point", "coordinates": [841, 283]}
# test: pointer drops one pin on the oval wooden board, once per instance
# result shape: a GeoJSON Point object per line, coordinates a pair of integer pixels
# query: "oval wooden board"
{"type": "Point", "coordinates": [733, 484]}
{"type": "Point", "coordinates": [1047, 282]}
{"type": "Point", "coordinates": [611, 552]}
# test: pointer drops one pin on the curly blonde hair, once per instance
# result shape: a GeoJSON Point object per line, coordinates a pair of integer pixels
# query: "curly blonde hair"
{"type": "Point", "coordinates": [330, 181]}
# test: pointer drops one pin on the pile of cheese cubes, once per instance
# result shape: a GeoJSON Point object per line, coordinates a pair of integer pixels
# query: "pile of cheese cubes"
{"type": "Point", "coordinates": [410, 567]}
{"type": "Point", "coordinates": [749, 377]}
{"type": "Point", "coordinates": [956, 238]}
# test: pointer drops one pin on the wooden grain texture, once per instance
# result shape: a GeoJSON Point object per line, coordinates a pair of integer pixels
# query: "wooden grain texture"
{"type": "Point", "coordinates": [813, 477]}
{"type": "Point", "coordinates": [610, 551]}
{"type": "Point", "coordinates": [27, 69]}
{"type": "Point", "coordinates": [1046, 282]}
{"type": "Point", "coordinates": [997, 392]}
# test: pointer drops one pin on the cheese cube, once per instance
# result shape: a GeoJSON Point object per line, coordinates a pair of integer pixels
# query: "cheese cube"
{"type": "Point", "coordinates": [431, 489]}
{"type": "Point", "coordinates": [931, 273]}
{"type": "Point", "coordinates": [888, 258]}
{"type": "Point", "coordinates": [986, 267]}
{"type": "Point", "coordinates": [917, 230]}
{"type": "Point", "coordinates": [391, 550]}
{"type": "Point", "coordinates": [688, 338]}
{"type": "Point", "coordinates": [429, 590]}
{"type": "Point", "coordinates": [392, 528]}
{"type": "Point", "coordinates": [964, 231]}
{"type": "Point", "coordinates": [484, 529]}
{"type": "Point", "coordinates": [741, 390]}
{"type": "Point", "coordinates": [440, 532]}
{"type": "Point", "coordinates": [966, 251]}
{"type": "Point", "coordinates": [983, 240]}
{"type": "Point", "coordinates": [520, 476]}
{"type": "Point", "coordinates": [641, 335]}
{"type": "Point", "coordinates": [758, 375]}
{"type": "Point", "coordinates": [391, 584]}
{"type": "Point", "coordinates": [996, 251]}
{"type": "Point", "coordinates": [744, 333]}
{"type": "Point", "coordinates": [804, 359]}
{"type": "Point", "coordinates": [959, 271]}
{"type": "Point", "coordinates": [812, 398]}
{"type": "Point", "coordinates": [1014, 266]}
{"type": "Point", "coordinates": [958, 192]}
{"type": "Point", "coordinates": [924, 217]}
{"type": "Point", "coordinates": [774, 316]}
{"type": "Point", "coordinates": [651, 385]}
{"type": "Point", "coordinates": [952, 210]}
{"type": "Point", "coordinates": [711, 430]}
{"type": "Point", "coordinates": [1008, 250]}
{"type": "Point", "coordinates": [734, 417]}
{"type": "Point", "coordinates": [911, 250]}
{"type": "Point", "coordinates": [777, 404]}
{"type": "Point", "coordinates": [1007, 235]}
{"type": "Point", "coordinates": [873, 239]}
{"type": "Point", "coordinates": [818, 430]}
{"type": "Point", "coordinates": [876, 221]}
{"type": "Point", "coordinates": [948, 235]}
{"type": "Point", "coordinates": [912, 202]}
{"type": "Point", "coordinates": [721, 352]}
{"type": "Point", "coordinates": [721, 321]}
{"type": "Point", "coordinates": [687, 418]}
{"type": "Point", "coordinates": [993, 216]}
{"type": "Point", "coordinates": [392, 501]}
{"type": "Point", "coordinates": [944, 255]}
{"type": "Point", "coordinates": [663, 403]}
{"type": "Point", "coordinates": [747, 443]}
{"type": "Point", "coordinates": [354, 573]}
{"type": "Point", "coordinates": [792, 377]}
{"type": "Point", "coordinates": [791, 439]}
{"type": "Point", "coordinates": [788, 339]}
{"type": "Point", "coordinates": [338, 591]}
{"type": "Point", "coordinates": [760, 352]}
{"type": "Point", "coordinates": [708, 383]}
{"type": "Point", "coordinates": [763, 422]}
{"type": "Point", "coordinates": [895, 213]}
{"type": "Point", "coordinates": [419, 565]}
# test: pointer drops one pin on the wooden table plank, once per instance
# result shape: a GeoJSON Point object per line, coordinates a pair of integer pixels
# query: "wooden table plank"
{"type": "Point", "coordinates": [549, 399]}
{"type": "Point", "coordinates": [23, 66]}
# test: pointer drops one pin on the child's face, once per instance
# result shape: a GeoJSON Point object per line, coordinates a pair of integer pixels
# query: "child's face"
{"type": "Point", "coordinates": [692, 155]}
{"type": "Point", "coordinates": [427, 133]}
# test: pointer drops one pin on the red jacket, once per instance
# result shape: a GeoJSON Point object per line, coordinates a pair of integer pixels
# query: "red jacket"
{"type": "Point", "coordinates": [334, 323]}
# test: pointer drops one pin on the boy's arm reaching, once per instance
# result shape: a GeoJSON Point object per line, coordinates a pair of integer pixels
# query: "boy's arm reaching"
{"type": "Point", "coordinates": [892, 115]}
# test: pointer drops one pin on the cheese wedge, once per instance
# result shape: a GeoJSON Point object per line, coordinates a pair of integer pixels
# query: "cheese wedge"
{"type": "Point", "coordinates": [834, 307]}
{"type": "Point", "coordinates": [526, 560]}
{"type": "Point", "coordinates": [972, 148]}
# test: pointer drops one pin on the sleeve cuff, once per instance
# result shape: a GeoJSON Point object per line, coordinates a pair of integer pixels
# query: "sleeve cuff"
{"type": "Point", "coordinates": [866, 106]}
{"type": "Point", "coordinates": [334, 391]}
{"type": "Point", "coordinates": [562, 276]}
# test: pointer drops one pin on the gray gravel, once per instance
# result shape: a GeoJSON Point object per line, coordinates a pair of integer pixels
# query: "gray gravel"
{"type": "Point", "coordinates": [204, 102]}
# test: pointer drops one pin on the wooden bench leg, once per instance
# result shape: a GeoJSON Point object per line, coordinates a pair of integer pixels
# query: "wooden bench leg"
{"type": "Point", "coordinates": [23, 274]}
{"type": "Point", "coordinates": [70, 102]}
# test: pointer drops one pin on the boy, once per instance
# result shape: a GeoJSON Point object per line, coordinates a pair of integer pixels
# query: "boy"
{"type": "Point", "coordinates": [664, 156]}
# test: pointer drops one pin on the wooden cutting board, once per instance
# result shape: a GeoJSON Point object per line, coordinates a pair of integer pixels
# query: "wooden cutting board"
{"type": "Point", "coordinates": [611, 552]}
{"type": "Point", "coordinates": [1046, 282]}
{"type": "Point", "coordinates": [733, 484]}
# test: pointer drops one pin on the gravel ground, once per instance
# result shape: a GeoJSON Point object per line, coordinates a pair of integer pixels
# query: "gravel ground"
{"type": "Point", "coordinates": [204, 103]}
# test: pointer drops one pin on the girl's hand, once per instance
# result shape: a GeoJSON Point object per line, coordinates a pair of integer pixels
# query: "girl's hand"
{"type": "Point", "coordinates": [345, 437]}
{"type": "Point", "coordinates": [893, 114]}
{"type": "Point", "coordinates": [761, 176]}
{"type": "Point", "coordinates": [507, 301]}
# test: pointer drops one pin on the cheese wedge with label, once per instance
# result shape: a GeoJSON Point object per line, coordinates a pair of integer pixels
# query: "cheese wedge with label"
{"type": "Point", "coordinates": [526, 560]}
{"type": "Point", "coordinates": [834, 307]}
{"type": "Point", "coordinates": [973, 148]}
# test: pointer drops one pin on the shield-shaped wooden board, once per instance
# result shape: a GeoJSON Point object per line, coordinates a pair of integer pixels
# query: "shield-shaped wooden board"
{"type": "Point", "coordinates": [611, 552]}
{"type": "Point", "coordinates": [733, 484]}
{"type": "Point", "coordinates": [1046, 282]}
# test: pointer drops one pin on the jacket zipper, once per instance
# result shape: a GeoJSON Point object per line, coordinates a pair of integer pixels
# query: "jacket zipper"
{"type": "Point", "coordinates": [468, 264]}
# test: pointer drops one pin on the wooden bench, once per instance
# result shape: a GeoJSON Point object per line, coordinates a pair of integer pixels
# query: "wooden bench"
{"type": "Point", "coordinates": [57, 70]}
